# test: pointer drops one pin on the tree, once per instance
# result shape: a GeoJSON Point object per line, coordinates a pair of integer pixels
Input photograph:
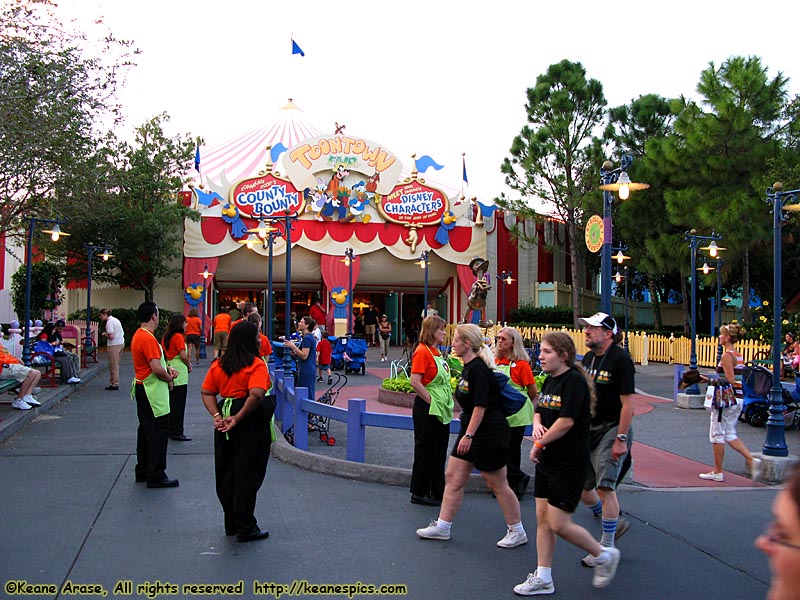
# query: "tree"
{"type": "Point", "coordinates": [53, 91]}
{"type": "Point", "coordinates": [128, 199]}
{"type": "Point", "coordinates": [718, 155]}
{"type": "Point", "coordinates": [45, 286]}
{"type": "Point", "coordinates": [554, 158]}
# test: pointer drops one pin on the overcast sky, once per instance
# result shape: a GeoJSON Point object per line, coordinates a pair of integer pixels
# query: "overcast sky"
{"type": "Point", "coordinates": [426, 77]}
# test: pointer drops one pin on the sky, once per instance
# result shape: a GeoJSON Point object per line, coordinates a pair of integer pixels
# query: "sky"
{"type": "Point", "coordinates": [426, 77]}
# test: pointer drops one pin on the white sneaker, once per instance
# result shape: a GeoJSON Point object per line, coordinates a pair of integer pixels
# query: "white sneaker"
{"type": "Point", "coordinates": [589, 561]}
{"type": "Point", "coordinates": [533, 586]}
{"type": "Point", "coordinates": [74, 380]}
{"type": "Point", "coordinates": [711, 476]}
{"type": "Point", "coordinates": [604, 572]}
{"type": "Point", "coordinates": [513, 539]}
{"type": "Point", "coordinates": [20, 404]}
{"type": "Point", "coordinates": [433, 532]}
{"type": "Point", "coordinates": [31, 400]}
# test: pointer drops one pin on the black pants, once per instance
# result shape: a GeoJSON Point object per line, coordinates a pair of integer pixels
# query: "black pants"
{"type": "Point", "coordinates": [177, 408]}
{"type": "Point", "coordinates": [430, 452]}
{"type": "Point", "coordinates": [151, 440]}
{"type": "Point", "coordinates": [241, 464]}
{"type": "Point", "coordinates": [515, 474]}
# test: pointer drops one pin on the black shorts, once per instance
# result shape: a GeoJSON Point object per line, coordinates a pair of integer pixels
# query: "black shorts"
{"type": "Point", "coordinates": [562, 488]}
{"type": "Point", "coordinates": [193, 339]}
{"type": "Point", "coordinates": [489, 451]}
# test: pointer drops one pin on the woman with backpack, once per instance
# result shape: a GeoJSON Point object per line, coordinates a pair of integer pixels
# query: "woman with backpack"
{"type": "Point", "coordinates": [482, 442]}
{"type": "Point", "coordinates": [512, 359]}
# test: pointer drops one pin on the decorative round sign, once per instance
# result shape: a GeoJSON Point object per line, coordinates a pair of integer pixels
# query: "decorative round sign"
{"type": "Point", "coordinates": [594, 233]}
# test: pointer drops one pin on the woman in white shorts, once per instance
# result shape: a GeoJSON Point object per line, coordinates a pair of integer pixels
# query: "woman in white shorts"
{"type": "Point", "coordinates": [723, 425]}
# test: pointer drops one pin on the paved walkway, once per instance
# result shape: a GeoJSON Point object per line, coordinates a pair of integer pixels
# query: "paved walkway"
{"type": "Point", "coordinates": [72, 514]}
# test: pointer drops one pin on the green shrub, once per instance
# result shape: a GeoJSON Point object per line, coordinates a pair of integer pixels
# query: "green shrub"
{"type": "Point", "coordinates": [129, 319]}
{"type": "Point", "coordinates": [542, 315]}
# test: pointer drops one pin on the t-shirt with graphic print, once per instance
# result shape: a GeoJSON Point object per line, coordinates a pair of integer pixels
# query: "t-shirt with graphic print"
{"type": "Point", "coordinates": [613, 373]}
{"type": "Point", "coordinates": [566, 395]}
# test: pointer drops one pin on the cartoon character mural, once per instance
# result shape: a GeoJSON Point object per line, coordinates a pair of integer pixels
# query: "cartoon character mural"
{"type": "Point", "coordinates": [358, 203]}
{"type": "Point", "coordinates": [336, 206]}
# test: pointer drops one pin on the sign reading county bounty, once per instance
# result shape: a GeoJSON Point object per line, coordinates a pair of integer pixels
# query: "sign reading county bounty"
{"type": "Point", "coordinates": [266, 196]}
{"type": "Point", "coordinates": [594, 233]}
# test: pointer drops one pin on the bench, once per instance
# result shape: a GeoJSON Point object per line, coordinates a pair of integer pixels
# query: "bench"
{"type": "Point", "coordinates": [8, 385]}
{"type": "Point", "coordinates": [48, 366]}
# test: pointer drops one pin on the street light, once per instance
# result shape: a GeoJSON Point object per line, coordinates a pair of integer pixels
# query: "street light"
{"type": "Point", "coordinates": [206, 274]}
{"type": "Point", "coordinates": [782, 202]}
{"type": "Point", "coordinates": [55, 233]}
{"type": "Point", "coordinates": [715, 326]}
{"type": "Point", "coordinates": [348, 260]}
{"type": "Point", "coordinates": [106, 254]}
{"type": "Point", "coordinates": [694, 241]}
{"type": "Point", "coordinates": [614, 180]}
{"type": "Point", "coordinates": [505, 279]}
{"type": "Point", "coordinates": [423, 263]}
{"type": "Point", "coordinates": [266, 234]}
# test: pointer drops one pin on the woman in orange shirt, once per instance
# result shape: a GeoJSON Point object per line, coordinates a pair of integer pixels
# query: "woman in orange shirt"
{"type": "Point", "coordinates": [432, 413]}
{"type": "Point", "coordinates": [193, 339]}
{"type": "Point", "coordinates": [241, 429]}
{"type": "Point", "coordinates": [174, 344]}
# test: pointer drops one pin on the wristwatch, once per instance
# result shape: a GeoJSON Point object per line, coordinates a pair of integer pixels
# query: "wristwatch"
{"type": "Point", "coordinates": [622, 437]}
{"type": "Point", "coordinates": [469, 436]}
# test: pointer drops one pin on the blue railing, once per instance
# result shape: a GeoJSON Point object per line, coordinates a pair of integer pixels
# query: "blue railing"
{"type": "Point", "coordinates": [293, 407]}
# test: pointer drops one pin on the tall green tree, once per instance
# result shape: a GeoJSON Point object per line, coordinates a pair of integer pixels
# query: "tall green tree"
{"type": "Point", "coordinates": [554, 158]}
{"type": "Point", "coordinates": [128, 199]}
{"type": "Point", "coordinates": [53, 89]}
{"type": "Point", "coordinates": [719, 153]}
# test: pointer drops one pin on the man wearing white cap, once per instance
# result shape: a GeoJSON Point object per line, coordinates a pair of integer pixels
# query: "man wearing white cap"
{"type": "Point", "coordinates": [611, 433]}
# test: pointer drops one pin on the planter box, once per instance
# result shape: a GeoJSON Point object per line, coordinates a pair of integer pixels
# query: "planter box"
{"type": "Point", "coordinates": [404, 399]}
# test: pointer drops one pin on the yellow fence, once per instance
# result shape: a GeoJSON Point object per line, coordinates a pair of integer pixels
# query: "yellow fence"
{"type": "Point", "coordinates": [644, 348]}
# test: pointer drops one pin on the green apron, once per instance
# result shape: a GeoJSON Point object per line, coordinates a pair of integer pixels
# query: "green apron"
{"type": "Point", "coordinates": [157, 391]}
{"type": "Point", "coordinates": [440, 390]}
{"type": "Point", "coordinates": [183, 370]}
{"type": "Point", "coordinates": [524, 416]}
{"type": "Point", "coordinates": [272, 431]}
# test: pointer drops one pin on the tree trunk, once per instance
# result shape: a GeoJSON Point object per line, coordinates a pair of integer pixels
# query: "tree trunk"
{"type": "Point", "coordinates": [573, 262]}
{"type": "Point", "coordinates": [655, 302]}
{"type": "Point", "coordinates": [687, 328]}
{"type": "Point", "coordinates": [746, 288]}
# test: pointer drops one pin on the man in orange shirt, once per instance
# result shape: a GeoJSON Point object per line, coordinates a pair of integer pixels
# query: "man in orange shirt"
{"type": "Point", "coordinates": [26, 376]}
{"type": "Point", "coordinates": [222, 326]}
{"type": "Point", "coordinates": [150, 390]}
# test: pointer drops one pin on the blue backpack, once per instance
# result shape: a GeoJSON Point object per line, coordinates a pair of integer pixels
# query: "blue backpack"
{"type": "Point", "coordinates": [511, 399]}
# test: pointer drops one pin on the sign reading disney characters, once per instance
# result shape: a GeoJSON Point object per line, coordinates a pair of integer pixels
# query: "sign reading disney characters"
{"type": "Point", "coordinates": [414, 202]}
{"type": "Point", "coordinates": [266, 196]}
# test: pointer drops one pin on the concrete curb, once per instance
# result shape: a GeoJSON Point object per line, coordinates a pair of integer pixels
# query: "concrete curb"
{"type": "Point", "coordinates": [49, 397]}
{"type": "Point", "coordinates": [308, 461]}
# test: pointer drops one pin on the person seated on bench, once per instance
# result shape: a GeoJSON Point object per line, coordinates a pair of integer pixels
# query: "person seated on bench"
{"type": "Point", "coordinates": [49, 342]}
{"type": "Point", "coordinates": [27, 377]}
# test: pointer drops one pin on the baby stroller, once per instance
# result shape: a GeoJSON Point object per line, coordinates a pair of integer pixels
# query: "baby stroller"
{"type": "Point", "coordinates": [757, 385]}
{"type": "Point", "coordinates": [319, 423]}
{"type": "Point", "coordinates": [350, 354]}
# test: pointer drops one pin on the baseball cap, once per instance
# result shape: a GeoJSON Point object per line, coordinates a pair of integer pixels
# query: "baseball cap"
{"type": "Point", "coordinates": [601, 320]}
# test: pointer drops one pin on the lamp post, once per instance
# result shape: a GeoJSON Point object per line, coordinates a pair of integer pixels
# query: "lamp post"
{"type": "Point", "coordinates": [694, 241]}
{"type": "Point", "coordinates": [505, 279]}
{"type": "Point", "coordinates": [423, 263]}
{"type": "Point", "coordinates": [271, 235]}
{"type": "Point", "coordinates": [55, 234]}
{"type": "Point", "coordinates": [106, 254]}
{"type": "Point", "coordinates": [265, 234]}
{"type": "Point", "coordinates": [718, 308]}
{"type": "Point", "coordinates": [206, 274]}
{"type": "Point", "coordinates": [614, 180]}
{"type": "Point", "coordinates": [348, 259]}
{"type": "Point", "coordinates": [782, 202]}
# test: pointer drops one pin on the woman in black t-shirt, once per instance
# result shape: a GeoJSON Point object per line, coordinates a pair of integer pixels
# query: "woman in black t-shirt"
{"type": "Point", "coordinates": [482, 442]}
{"type": "Point", "coordinates": [561, 451]}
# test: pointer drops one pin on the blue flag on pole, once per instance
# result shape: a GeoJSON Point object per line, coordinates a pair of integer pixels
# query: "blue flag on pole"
{"type": "Point", "coordinates": [197, 158]}
{"type": "Point", "coordinates": [297, 49]}
{"type": "Point", "coordinates": [464, 165]}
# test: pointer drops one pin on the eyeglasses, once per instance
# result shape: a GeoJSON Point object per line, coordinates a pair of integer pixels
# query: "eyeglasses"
{"type": "Point", "coordinates": [773, 537]}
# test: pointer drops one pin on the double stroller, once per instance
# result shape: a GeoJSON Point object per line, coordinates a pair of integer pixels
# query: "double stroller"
{"type": "Point", "coordinates": [350, 354]}
{"type": "Point", "coordinates": [757, 386]}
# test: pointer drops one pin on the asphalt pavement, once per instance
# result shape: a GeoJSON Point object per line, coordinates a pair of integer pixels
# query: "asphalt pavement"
{"type": "Point", "coordinates": [73, 515]}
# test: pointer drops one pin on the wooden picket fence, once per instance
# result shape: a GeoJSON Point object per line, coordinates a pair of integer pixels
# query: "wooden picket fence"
{"type": "Point", "coordinates": [644, 348]}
